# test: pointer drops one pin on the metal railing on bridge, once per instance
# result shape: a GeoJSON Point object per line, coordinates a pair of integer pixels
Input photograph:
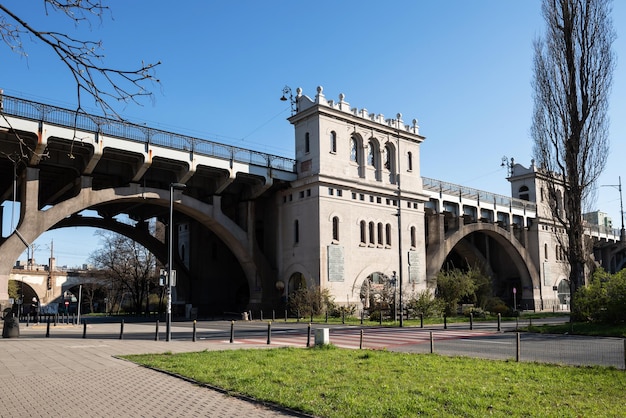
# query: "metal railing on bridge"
{"type": "Point", "coordinates": [452, 189]}
{"type": "Point", "coordinates": [26, 109]}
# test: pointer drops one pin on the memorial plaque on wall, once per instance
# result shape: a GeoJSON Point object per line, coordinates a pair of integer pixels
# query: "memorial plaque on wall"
{"type": "Point", "coordinates": [335, 263]}
{"type": "Point", "coordinates": [414, 264]}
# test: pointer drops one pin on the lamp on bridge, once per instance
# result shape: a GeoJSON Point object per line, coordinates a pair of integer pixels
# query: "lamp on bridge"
{"type": "Point", "coordinates": [168, 318]}
{"type": "Point", "coordinates": [287, 91]}
{"type": "Point", "coordinates": [508, 164]}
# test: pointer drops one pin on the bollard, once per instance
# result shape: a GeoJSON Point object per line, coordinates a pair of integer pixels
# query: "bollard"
{"type": "Point", "coordinates": [250, 315]}
{"type": "Point", "coordinates": [273, 315]}
{"type": "Point", "coordinates": [516, 323]}
{"type": "Point", "coordinates": [471, 321]}
{"type": "Point", "coordinates": [193, 337]}
{"type": "Point", "coordinates": [298, 314]}
{"type": "Point", "coordinates": [517, 347]}
{"type": "Point", "coordinates": [343, 317]}
{"type": "Point", "coordinates": [122, 330]}
{"type": "Point", "coordinates": [327, 316]}
{"type": "Point", "coordinates": [530, 322]}
{"type": "Point", "coordinates": [261, 315]}
{"type": "Point", "coordinates": [269, 332]}
{"type": "Point", "coordinates": [232, 332]}
{"type": "Point", "coordinates": [432, 343]}
{"type": "Point", "coordinates": [625, 353]}
{"type": "Point", "coordinates": [56, 319]}
{"type": "Point", "coordinates": [84, 329]}
{"type": "Point", "coordinates": [74, 319]}
{"type": "Point", "coordinates": [27, 319]}
{"type": "Point", "coordinates": [308, 336]}
{"type": "Point", "coordinates": [361, 340]}
{"type": "Point", "coordinates": [48, 329]}
{"type": "Point", "coordinates": [285, 315]}
{"type": "Point", "coordinates": [499, 320]}
{"type": "Point", "coordinates": [156, 332]}
{"type": "Point", "coordinates": [421, 320]}
{"type": "Point", "coordinates": [362, 317]}
{"type": "Point", "coordinates": [380, 317]}
{"type": "Point", "coordinates": [445, 322]}
{"type": "Point", "coordinates": [311, 315]}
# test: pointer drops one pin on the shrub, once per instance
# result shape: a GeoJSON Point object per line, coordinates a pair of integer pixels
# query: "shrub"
{"type": "Point", "coordinates": [496, 305]}
{"type": "Point", "coordinates": [603, 300]}
{"type": "Point", "coordinates": [426, 304]}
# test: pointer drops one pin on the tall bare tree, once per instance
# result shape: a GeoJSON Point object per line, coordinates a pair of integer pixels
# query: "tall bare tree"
{"type": "Point", "coordinates": [573, 71]}
{"type": "Point", "coordinates": [127, 265]}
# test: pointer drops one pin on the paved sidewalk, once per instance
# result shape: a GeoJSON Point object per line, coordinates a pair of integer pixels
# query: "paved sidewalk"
{"type": "Point", "coordinates": [74, 377]}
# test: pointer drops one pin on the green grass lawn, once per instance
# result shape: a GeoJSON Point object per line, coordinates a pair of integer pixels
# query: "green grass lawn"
{"type": "Point", "coordinates": [333, 382]}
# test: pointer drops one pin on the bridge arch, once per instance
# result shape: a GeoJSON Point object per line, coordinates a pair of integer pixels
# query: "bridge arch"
{"type": "Point", "coordinates": [35, 222]}
{"type": "Point", "coordinates": [464, 241]}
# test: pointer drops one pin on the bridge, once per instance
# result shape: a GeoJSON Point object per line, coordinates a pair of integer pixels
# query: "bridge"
{"type": "Point", "coordinates": [240, 219]}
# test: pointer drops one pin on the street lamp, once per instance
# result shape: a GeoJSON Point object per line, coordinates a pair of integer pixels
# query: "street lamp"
{"type": "Point", "coordinates": [292, 101]}
{"type": "Point", "coordinates": [398, 214]}
{"type": "Point", "coordinates": [168, 318]}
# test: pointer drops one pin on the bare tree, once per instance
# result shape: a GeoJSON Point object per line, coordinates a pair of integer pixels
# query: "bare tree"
{"type": "Point", "coordinates": [127, 266]}
{"type": "Point", "coordinates": [83, 58]}
{"type": "Point", "coordinates": [573, 71]}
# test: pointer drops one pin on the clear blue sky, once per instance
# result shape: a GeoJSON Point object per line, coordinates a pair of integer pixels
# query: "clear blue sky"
{"type": "Point", "coordinates": [462, 68]}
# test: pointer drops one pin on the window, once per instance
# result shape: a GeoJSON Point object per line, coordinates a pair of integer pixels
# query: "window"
{"type": "Point", "coordinates": [307, 143]}
{"type": "Point", "coordinates": [545, 251]}
{"type": "Point", "coordinates": [339, 192]}
{"type": "Point", "coordinates": [523, 193]}
{"type": "Point", "coordinates": [413, 237]}
{"type": "Point", "coordinates": [354, 153]}
{"type": "Point", "coordinates": [331, 191]}
{"type": "Point", "coordinates": [380, 233]}
{"type": "Point", "coordinates": [372, 231]}
{"type": "Point", "coordinates": [387, 156]}
{"type": "Point", "coordinates": [296, 231]}
{"type": "Point", "coordinates": [335, 228]}
{"type": "Point", "coordinates": [371, 158]}
{"type": "Point", "coordinates": [388, 234]}
{"type": "Point", "coordinates": [301, 194]}
{"type": "Point", "coordinates": [363, 239]}
{"type": "Point", "coordinates": [333, 142]}
{"type": "Point", "coordinates": [409, 156]}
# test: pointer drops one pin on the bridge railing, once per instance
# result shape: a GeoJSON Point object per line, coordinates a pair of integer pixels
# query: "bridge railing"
{"type": "Point", "coordinates": [478, 195]}
{"type": "Point", "coordinates": [26, 109]}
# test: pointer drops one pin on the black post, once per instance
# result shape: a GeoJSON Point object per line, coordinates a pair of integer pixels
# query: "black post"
{"type": "Point", "coordinates": [193, 337]}
{"type": "Point", "coordinates": [269, 332]}
{"type": "Point", "coordinates": [308, 336]}
{"type": "Point", "coordinates": [499, 319]}
{"type": "Point", "coordinates": [421, 320]}
{"type": "Point", "coordinates": [471, 321]}
{"type": "Point", "coordinates": [156, 332]}
{"type": "Point", "coordinates": [380, 317]}
{"type": "Point", "coordinates": [311, 315]}
{"type": "Point", "coordinates": [273, 315]}
{"type": "Point", "coordinates": [48, 328]}
{"type": "Point", "coordinates": [27, 319]}
{"type": "Point", "coordinates": [432, 343]}
{"type": "Point", "coordinates": [517, 347]}
{"type": "Point", "coordinates": [285, 315]}
{"type": "Point", "coordinates": [122, 330]}
{"type": "Point", "coordinates": [232, 331]}
{"type": "Point", "coordinates": [327, 316]}
{"type": "Point", "coordinates": [298, 313]}
{"type": "Point", "coordinates": [261, 315]}
{"type": "Point", "coordinates": [362, 313]}
{"type": "Point", "coordinates": [445, 322]}
{"type": "Point", "coordinates": [84, 329]}
{"type": "Point", "coordinates": [343, 317]}
{"type": "Point", "coordinates": [361, 340]}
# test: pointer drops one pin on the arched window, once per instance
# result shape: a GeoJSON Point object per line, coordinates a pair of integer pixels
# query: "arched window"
{"type": "Point", "coordinates": [354, 150]}
{"type": "Point", "coordinates": [413, 237]}
{"type": "Point", "coordinates": [371, 156]}
{"type": "Point", "coordinates": [296, 231]}
{"type": "Point", "coordinates": [388, 234]}
{"type": "Point", "coordinates": [388, 157]}
{"type": "Point", "coordinates": [363, 232]}
{"type": "Point", "coordinates": [333, 142]}
{"type": "Point", "coordinates": [409, 156]}
{"type": "Point", "coordinates": [335, 228]}
{"type": "Point", "coordinates": [523, 193]}
{"type": "Point", "coordinates": [307, 143]}
{"type": "Point", "coordinates": [380, 233]}
{"type": "Point", "coordinates": [545, 251]}
{"type": "Point", "coordinates": [372, 231]}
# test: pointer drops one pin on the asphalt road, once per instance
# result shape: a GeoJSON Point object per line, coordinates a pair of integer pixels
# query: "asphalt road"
{"type": "Point", "coordinates": [483, 341]}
